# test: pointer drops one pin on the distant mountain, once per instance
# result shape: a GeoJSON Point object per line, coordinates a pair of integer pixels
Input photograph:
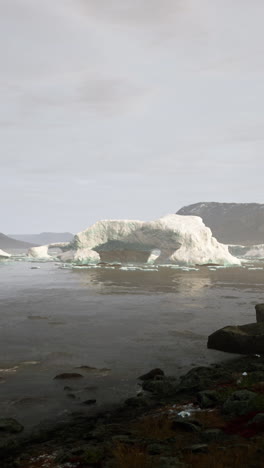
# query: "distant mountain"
{"type": "Point", "coordinates": [8, 243]}
{"type": "Point", "coordinates": [44, 237]}
{"type": "Point", "coordinates": [231, 223]}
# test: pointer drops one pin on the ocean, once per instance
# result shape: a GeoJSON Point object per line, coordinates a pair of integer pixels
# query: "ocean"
{"type": "Point", "coordinates": [110, 325]}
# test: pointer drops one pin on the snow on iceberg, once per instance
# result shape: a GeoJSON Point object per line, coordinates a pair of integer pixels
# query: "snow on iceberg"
{"type": "Point", "coordinates": [183, 240]}
{"type": "Point", "coordinates": [4, 255]}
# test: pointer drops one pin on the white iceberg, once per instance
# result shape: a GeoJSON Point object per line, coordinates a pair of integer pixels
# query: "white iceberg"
{"type": "Point", "coordinates": [182, 240]}
{"type": "Point", "coordinates": [42, 251]}
{"type": "Point", "coordinates": [4, 255]}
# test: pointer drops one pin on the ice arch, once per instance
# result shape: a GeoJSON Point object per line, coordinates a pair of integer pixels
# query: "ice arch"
{"type": "Point", "coordinates": [180, 239]}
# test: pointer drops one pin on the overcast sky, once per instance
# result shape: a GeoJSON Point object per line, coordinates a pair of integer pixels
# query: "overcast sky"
{"type": "Point", "coordinates": [127, 108]}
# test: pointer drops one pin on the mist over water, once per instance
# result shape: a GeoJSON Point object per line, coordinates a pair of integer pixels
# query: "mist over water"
{"type": "Point", "coordinates": [121, 322]}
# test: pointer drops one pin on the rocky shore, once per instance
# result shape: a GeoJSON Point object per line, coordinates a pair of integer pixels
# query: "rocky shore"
{"type": "Point", "coordinates": [212, 416]}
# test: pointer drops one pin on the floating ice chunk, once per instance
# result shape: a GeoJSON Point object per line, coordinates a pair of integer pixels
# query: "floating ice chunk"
{"type": "Point", "coordinates": [10, 370]}
{"type": "Point", "coordinates": [4, 255]}
{"type": "Point", "coordinates": [42, 251]}
{"type": "Point", "coordinates": [184, 414]}
{"type": "Point", "coordinates": [255, 268]}
{"type": "Point", "coordinates": [39, 252]}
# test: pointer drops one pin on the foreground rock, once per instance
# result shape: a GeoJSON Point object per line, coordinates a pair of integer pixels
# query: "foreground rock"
{"type": "Point", "coordinates": [153, 374]}
{"type": "Point", "coordinates": [243, 339]}
{"type": "Point", "coordinates": [259, 312]}
{"type": "Point", "coordinates": [10, 426]}
{"type": "Point", "coordinates": [210, 414]}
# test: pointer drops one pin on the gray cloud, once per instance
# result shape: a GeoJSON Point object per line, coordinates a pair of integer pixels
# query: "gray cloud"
{"type": "Point", "coordinates": [134, 11]}
{"type": "Point", "coordinates": [127, 109]}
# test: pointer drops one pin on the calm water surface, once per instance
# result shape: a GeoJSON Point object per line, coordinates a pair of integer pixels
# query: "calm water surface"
{"type": "Point", "coordinates": [122, 323]}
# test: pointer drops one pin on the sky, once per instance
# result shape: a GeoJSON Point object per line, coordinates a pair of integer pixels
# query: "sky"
{"type": "Point", "coordinates": [114, 109]}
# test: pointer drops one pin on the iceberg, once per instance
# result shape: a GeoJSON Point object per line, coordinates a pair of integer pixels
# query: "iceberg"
{"type": "Point", "coordinates": [4, 255]}
{"type": "Point", "coordinates": [42, 251]}
{"type": "Point", "coordinates": [172, 239]}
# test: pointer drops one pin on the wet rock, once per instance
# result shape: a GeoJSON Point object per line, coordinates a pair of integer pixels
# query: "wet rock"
{"type": "Point", "coordinates": [68, 375]}
{"type": "Point", "coordinates": [10, 426]}
{"type": "Point", "coordinates": [259, 312]}
{"type": "Point", "coordinates": [210, 435]}
{"type": "Point", "coordinates": [202, 378]}
{"type": "Point", "coordinates": [94, 370]}
{"type": "Point", "coordinates": [152, 374]}
{"type": "Point", "coordinates": [258, 419]}
{"type": "Point", "coordinates": [188, 425]}
{"type": "Point", "coordinates": [243, 339]}
{"type": "Point", "coordinates": [88, 368]}
{"type": "Point", "coordinates": [239, 402]}
{"type": "Point", "coordinates": [167, 387]}
{"type": "Point", "coordinates": [89, 402]}
{"type": "Point", "coordinates": [207, 398]}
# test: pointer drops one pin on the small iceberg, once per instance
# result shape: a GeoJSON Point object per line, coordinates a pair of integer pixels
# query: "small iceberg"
{"type": "Point", "coordinates": [4, 255]}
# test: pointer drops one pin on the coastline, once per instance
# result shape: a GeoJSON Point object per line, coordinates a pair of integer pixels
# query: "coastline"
{"type": "Point", "coordinates": [151, 425]}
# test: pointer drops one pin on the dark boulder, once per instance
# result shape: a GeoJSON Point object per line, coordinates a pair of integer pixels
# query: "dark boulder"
{"type": "Point", "coordinates": [153, 374]}
{"type": "Point", "coordinates": [167, 387]}
{"type": "Point", "coordinates": [202, 378]}
{"type": "Point", "coordinates": [10, 426]}
{"type": "Point", "coordinates": [208, 398]}
{"type": "Point", "coordinates": [259, 312]}
{"type": "Point", "coordinates": [187, 425]}
{"type": "Point", "coordinates": [68, 375]}
{"type": "Point", "coordinates": [243, 339]}
{"type": "Point", "coordinates": [89, 402]}
{"type": "Point", "coordinates": [239, 402]}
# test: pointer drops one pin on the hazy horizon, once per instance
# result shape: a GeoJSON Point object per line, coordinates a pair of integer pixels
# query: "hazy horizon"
{"type": "Point", "coordinates": [127, 109]}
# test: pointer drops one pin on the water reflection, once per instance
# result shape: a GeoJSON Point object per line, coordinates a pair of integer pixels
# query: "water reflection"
{"type": "Point", "coordinates": [165, 280]}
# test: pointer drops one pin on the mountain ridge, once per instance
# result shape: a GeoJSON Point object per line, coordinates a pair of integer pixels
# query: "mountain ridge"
{"type": "Point", "coordinates": [7, 242]}
{"type": "Point", "coordinates": [44, 238]}
{"type": "Point", "coordinates": [230, 223]}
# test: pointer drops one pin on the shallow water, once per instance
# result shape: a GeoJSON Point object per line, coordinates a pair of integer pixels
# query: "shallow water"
{"type": "Point", "coordinates": [126, 322]}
